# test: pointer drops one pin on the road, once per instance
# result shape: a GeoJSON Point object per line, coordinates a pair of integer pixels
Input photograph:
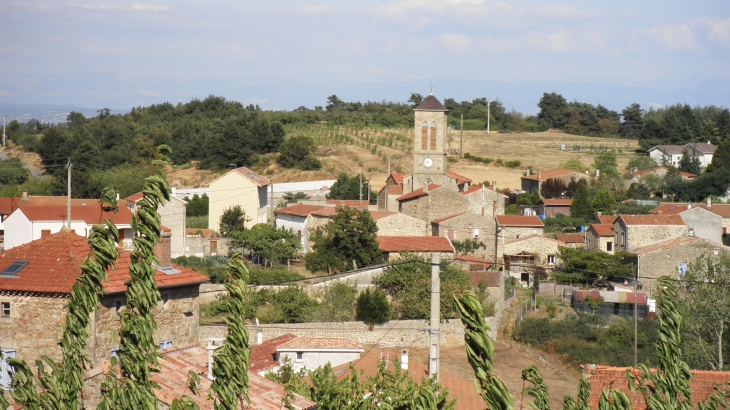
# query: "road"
{"type": "Point", "coordinates": [34, 172]}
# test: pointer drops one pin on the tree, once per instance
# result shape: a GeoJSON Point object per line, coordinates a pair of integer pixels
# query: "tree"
{"type": "Point", "coordinates": [296, 152]}
{"type": "Point", "coordinates": [593, 303]}
{"type": "Point", "coordinates": [721, 157]}
{"type": "Point", "coordinates": [553, 110]}
{"type": "Point", "coordinates": [582, 206]}
{"type": "Point", "coordinates": [346, 242]}
{"type": "Point", "coordinates": [604, 202]}
{"type": "Point", "coordinates": [573, 185]}
{"type": "Point", "coordinates": [633, 121]}
{"type": "Point", "coordinates": [641, 163]}
{"type": "Point", "coordinates": [333, 103]}
{"type": "Point", "coordinates": [336, 303]}
{"type": "Point", "coordinates": [690, 163]}
{"type": "Point", "coordinates": [12, 172]}
{"type": "Point", "coordinates": [467, 246]}
{"type": "Point", "coordinates": [292, 304]}
{"type": "Point", "coordinates": [553, 188]}
{"type": "Point", "coordinates": [268, 242]}
{"type": "Point", "coordinates": [605, 160]}
{"type": "Point", "coordinates": [581, 265]}
{"type": "Point", "coordinates": [198, 206]}
{"type": "Point", "coordinates": [415, 99]}
{"type": "Point", "coordinates": [348, 188]}
{"type": "Point", "coordinates": [575, 164]}
{"type": "Point", "coordinates": [233, 220]}
{"type": "Point", "coordinates": [372, 308]}
{"type": "Point", "coordinates": [708, 306]}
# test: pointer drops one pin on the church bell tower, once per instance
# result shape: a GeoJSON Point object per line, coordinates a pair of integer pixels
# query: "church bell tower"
{"type": "Point", "coordinates": [429, 143]}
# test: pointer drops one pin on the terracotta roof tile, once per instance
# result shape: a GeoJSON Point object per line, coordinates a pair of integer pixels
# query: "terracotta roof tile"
{"type": "Point", "coordinates": [460, 179]}
{"type": "Point", "coordinates": [430, 103]}
{"type": "Point", "coordinates": [520, 221]}
{"type": "Point", "coordinates": [607, 219]}
{"type": "Point", "coordinates": [90, 213]}
{"type": "Point", "coordinates": [319, 343]}
{"type": "Point", "coordinates": [253, 177]}
{"type": "Point", "coordinates": [678, 207]}
{"type": "Point", "coordinates": [135, 197]}
{"type": "Point", "coordinates": [398, 178]}
{"type": "Point", "coordinates": [418, 193]}
{"type": "Point", "coordinates": [205, 233]}
{"type": "Point", "coordinates": [652, 219]}
{"type": "Point", "coordinates": [557, 202]}
{"type": "Point", "coordinates": [438, 221]}
{"type": "Point", "coordinates": [378, 215]}
{"type": "Point", "coordinates": [54, 266]}
{"type": "Point", "coordinates": [572, 237]}
{"type": "Point", "coordinates": [602, 229]}
{"type": "Point", "coordinates": [262, 357]}
{"type": "Point", "coordinates": [299, 210]}
{"type": "Point", "coordinates": [414, 244]}
{"type": "Point", "coordinates": [556, 173]}
{"type": "Point", "coordinates": [673, 243]}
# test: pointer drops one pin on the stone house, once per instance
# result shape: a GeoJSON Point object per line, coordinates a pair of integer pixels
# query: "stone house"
{"type": "Point", "coordinates": [484, 201]}
{"type": "Point", "coordinates": [513, 227]}
{"type": "Point", "coordinates": [397, 224]}
{"type": "Point", "coordinates": [173, 216]}
{"type": "Point", "coordinates": [661, 172]}
{"type": "Point", "coordinates": [635, 231]}
{"type": "Point", "coordinates": [311, 353]}
{"type": "Point", "coordinates": [36, 281]}
{"type": "Point", "coordinates": [296, 218]}
{"type": "Point", "coordinates": [572, 240]}
{"type": "Point", "coordinates": [433, 202]}
{"type": "Point", "coordinates": [204, 242]}
{"type": "Point", "coordinates": [467, 226]}
{"type": "Point", "coordinates": [671, 257]}
{"type": "Point", "coordinates": [522, 256]}
{"type": "Point", "coordinates": [553, 207]}
{"type": "Point", "coordinates": [600, 237]}
{"type": "Point", "coordinates": [423, 246]}
{"type": "Point", "coordinates": [533, 181]}
{"type": "Point", "coordinates": [722, 210]}
{"type": "Point", "coordinates": [31, 222]}
{"type": "Point", "coordinates": [388, 195]}
{"type": "Point", "coordinates": [240, 186]}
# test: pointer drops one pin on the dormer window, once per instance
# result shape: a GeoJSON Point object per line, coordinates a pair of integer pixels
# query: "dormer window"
{"type": "Point", "coordinates": [14, 268]}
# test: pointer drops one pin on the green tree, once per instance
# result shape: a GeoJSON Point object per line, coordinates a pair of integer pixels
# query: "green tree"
{"type": "Point", "coordinates": [604, 202]}
{"type": "Point", "coordinates": [12, 172]}
{"type": "Point", "coordinates": [467, 246]}
{"type": "Point", "coordinates": [593, 303]}
{"type": "Point", "coordinates": [296, 152]}
{"type": "Point", "coordinates": [710, 132]}
{"type": "Point", "coordinates": [690, 163]}
{"type": "Point", "coordinates": [348, 188]}
{"type": "Point", "coordinates": [198, 206]}
{"type": "Point", "coordinates": [605, 160]}
{"type": "Point", "coordinates": [233, 220]}
{"type": "Point", "coordinates": [633, 121]}
{"type": "Point", "coordinates": [336, 302]}
{"type": "Point", "coordinates": [553, 188]}
{"type": "Point", "coordinates": [581, 265]}
{"type": "Point", "coordinates": [553, 110]}
{"type": "Point", "coordinates": [415, 99]}
{"type": "Point", "coordinates": [641, 163]}
{"type": "Point", "coordinates": [292, 305]}
{"type": "Point", "coordinates": [575, 164]}
{"type": "Point", "coordinates": [372, 308]}
{"type": "Point", "coordinates": [270, 243]}
{"type": "Point", "coordinates": [346, 242]}
{"type": "Point", "coordinates": [582, 206]}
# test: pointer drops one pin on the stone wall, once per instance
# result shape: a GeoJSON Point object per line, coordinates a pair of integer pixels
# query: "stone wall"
{"type": "Point", "coordinates": [542, 247]}
{"type": "Point", "coordinates": [210, 291]}
{"type": "Point", "coordinates": [438, 204]}
{"type": "Point", "coordinates": [34, 326]}
{"type": "Point", "coordinates": [595, 243]}
{"type": "Point", "coordinates": [200, 246]}
{"type": "Point", "coordinates": [177, 316]}
{"type": "Point", "coordinates": [463, 227]}
{"type": "Point", "coordinates": [638, 236]}
{"type": "Point", "coordinates": [476, 202]}
{"type": "Point", "coordinates": [401, 225]}
{"type": "Point", "coordinates": [399, 332]}
{"type": "Point", "coordinates": [173, 217]}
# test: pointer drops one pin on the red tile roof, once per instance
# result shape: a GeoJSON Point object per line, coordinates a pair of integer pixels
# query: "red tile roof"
{"type": "Point", "coordinates": [471, 189]}
{"type": "Point", "coordinates": [460, 389]}
{"type": "Point", "coordinates": [604, 377]}
{"type": "Point", "coordinates": [354, 203]}
{"type": "Point", "coordinates": [572, 237]}
{"type": "Point", "coordinates": [398, 178]}
{"type": "Point", "coordinates": [520, 221]}
{"type": "Point", "coordinates": [418, 193]}
{"type": "Point", "coordinates": [253, 177]}
{"type": "Point", "coordinates": [205, 233]}
{"type": "Point", "coordinates": [378, 215]}
{"type": "Point", "coordinates": [8, 205]}
{"type": "Point", "coordinates": [608, 219]}
{"type": "Point", "coordinates": [414, 244]}
{"type": "Point", "coordinates": [135, 197]}
{"type": "Point", "coordinates": [438, 221]}
{"type": "Point", "coordinates": [674, 243]}
{"type": "Point", "coordinates": [54, 266]}
{"type": "Point", "coordinates": [652, 219]}
{"type": "Point", "coordinates": [90, 213]}
{"type": "Point", "coordinates": [299, 210]}
{"type": "Point", "coordinates": [556, 173]}
{"type": "Point", "coordinates": [602, 229]}
{"type": "Point", "coordinates": [262, 356]}
{"type": "Point", "coordinates": [176, 362]}
{"type": "Point", "coordinates": [460, 179]}
{"type": "Point", "coordinates": [678, 207]}
{"type": "Point", "coordinates": [319, 343]}
{"type": "Point", "coordinates": [557, 202]}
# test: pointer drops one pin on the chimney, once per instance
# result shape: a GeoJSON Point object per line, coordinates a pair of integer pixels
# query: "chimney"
{"type": "Point", "coordinates": [213, 343]}
{"type": "Point", "coordinates": [425, 188]}
{"type": "Point", "coordinates": [691, 232]}
{"type": "Point", "coordinates": [25, 196]}
{"type": "Point", "coordinates": [689, 205]}
{"type": "Point", "coordinates": [163, 250]}
{"type": "Point", "coordinates": [708, 143]}
{"type": "Point", "coordinates": [538, 175]}
{"type": "Point", "coordinates": [709, 202]}
{"type": "Point", "coordinates": [494, 186]}
{"type": "Point", "coordinates": [259, 336]}
{"type": "Point", "coordinates": [404, 359]}
{"type": "Point", "coordinates": [527, 172]}
{"type": "Point", "coordinates": [117, 196]}
{"type": "Point", "coordinates": [598, 173]}
{"type": "Point", "coordinates": [598, 213]}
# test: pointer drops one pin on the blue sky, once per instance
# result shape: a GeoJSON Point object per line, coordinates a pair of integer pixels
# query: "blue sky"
{"type": "Point", "coordinates": [284, 54]}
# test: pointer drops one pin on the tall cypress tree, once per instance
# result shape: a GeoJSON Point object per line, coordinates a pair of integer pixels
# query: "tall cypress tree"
{"type": "Point", "coordinates": [582, 207]}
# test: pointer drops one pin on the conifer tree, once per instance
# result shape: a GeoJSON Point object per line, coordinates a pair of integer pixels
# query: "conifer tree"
{"type": "Point", "coordinates": [582, 206]}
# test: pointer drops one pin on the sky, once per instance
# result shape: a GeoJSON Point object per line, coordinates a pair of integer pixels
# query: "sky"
{"type": "Point", "coordinates": [285, 54]}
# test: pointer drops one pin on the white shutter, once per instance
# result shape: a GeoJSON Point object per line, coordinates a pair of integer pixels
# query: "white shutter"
{"type": "Point", "coordinates": [5, 371]}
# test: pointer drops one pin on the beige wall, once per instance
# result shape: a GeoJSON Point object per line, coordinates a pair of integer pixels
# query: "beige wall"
{"type": "Point", "coordinates": [540, 246]}
{"type": "Point", "coordinates": [436, 172]}
{"type": "Point", "coordinates": [438, 204]}
{"type": "Point", "coordinates": [595, 243]}
{"type": "Point", "coordinates": [637, 236]}
{"type": "Point", "coordinates": [173, 217]}
{"type": "Point", "coordinates": [229, 190]}
{"type": "Point", "coordinates": [475, 203]}
{"type": "Point", "coordinates": [463, 227]}
{"type": "Point", "coordinates": [401, 225]}
{"type": "Point", "coordinates": [34, 326]}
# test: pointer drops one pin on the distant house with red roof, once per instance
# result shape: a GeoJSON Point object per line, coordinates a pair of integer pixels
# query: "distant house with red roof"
{"type": "Point", "coordinates": [239, 187]}
{"type": "Point", "coordinates": [522, 256]}
{"type": "Point", "coordinates": [512, 227]}
{"type": "Point", "coordinates": [35, 284]}
{"type": "Point", "coordinates": [572, 240]}
{"type": "Point", "coordinates": [204, 242]}
{"type": "Point", "coordinates": [552, 207]}
{"type": "Point", "coordinates": [296, 217]}
{"type": "Point", "coordinates": [313, 352]}
{"type": "Point", "coordinates": [393, 246]}
{"type": "Point", "coordinates": [174, 216]}
{"type": "Point", "coordinates": [599, 237]}
{"type": "Point", "coordinates": [533, 181]}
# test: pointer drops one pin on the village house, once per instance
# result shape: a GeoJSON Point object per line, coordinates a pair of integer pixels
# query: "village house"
{"type": "Point", "coordinates": [660, 172]}
{"type": "Point", "coordinates": [532, 182]}
{"type": "Point", "coordinates": [421, 246]}
{"type": "Point", "coordinates": [240, 186]}
{"type": "Point", "coordinates": [311, 353]}
{"type": "Point", "coordinates": [263, 357]}
{"type": "Point", "coordinates": [553, 207]}
{"type": "Point", "coordinates": [600, 237]}
{"type": "Point", "coordinates": [465, 226]}
{"type": "Point", "coordinates": [485, 201]}
{"type": "Point", "coordinates": [512, 227]}
{"type": "Point", "coordinates": [172, 215]}
{"type": "Point", "coordinates": [204, 242]}
{"type": "Point", "coordinates": [35, 283]}
{"type": "Point", "coordinates": [433, 202]}
{"type": "Point", "coordinates": [723, 210]}
{"type": "Point", "coordinates": [702, 151]}
{"type": "Point", "coordinates": [31, 222]}
{"type": "Point", "coordinates": [525, 256]}
{"type": "Point", "coordinates": [635, 231]}
{"type": "Point", "coordinates": [615, 303]}
{"type": "Point", "coordinates": [667, 154]}
{"type": "Point", "coordinates": [388, 195]}
{"type": "Point", "coordinates": [572, 240]}
{"type": "Point", "coordinates": [296, 218]}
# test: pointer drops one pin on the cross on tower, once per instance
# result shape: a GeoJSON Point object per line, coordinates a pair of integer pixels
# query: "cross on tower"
{"type": "Point", "coordinates": [431, 87]}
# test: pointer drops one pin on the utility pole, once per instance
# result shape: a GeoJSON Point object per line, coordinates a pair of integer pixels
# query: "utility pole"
{"type": "Point", "coordinates": [388, 166]}
{"type": "Point", "coordinates": [369, 178]}
{"type": "Point", "coordinates": [68, 209]}
{"type": "Point", "coordinates": [435, 352]}
{"type": "Point", "coordinates": [271, 201]}
{"type": "Point", "coordinates": [488, 115]}
{"type": "Point", "coordinates": [636, 315]}
{"type": "Point", "coordinates": [461, 143]}
{"type": "Point", "coordinates": [3, 131]}
{"type": "Point", "coordinates": [360, 189]}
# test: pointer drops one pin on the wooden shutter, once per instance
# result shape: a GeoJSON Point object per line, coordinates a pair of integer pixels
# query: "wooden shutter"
{"type": "Point", "coordinates": [433, 136]}
{"type": "Point", "coordinates": [424, 136]}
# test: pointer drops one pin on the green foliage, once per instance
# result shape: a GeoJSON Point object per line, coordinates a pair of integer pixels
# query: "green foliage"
{"type": "Point", "coordinates": [593, 303]}
{"type": "Point", "coordinates": [12, 172]}
{"type": "Point", "coordinates": [553, 110]}
{"type": "Point", "coordinates": [467, 246]}
{"type": "Point", "coordinates": [690, 163]}
{"type": "Point", "coordinates": [268, 242]}
{"type": "Point", "coordinates": [348, 237]}
{"type": "Point", "coordinates": [409, 286]}
{"type": "Point", "coordinates": [561, 223]}
{"type": "Point", "coordinates": [296, 152]}
{"type": "Point", "coordinates": [213, 267]}
{"type": "Point", "coordinates": [605, 160]}
{"type": "Point", "coordinates": [197, 222]}
{"type": "Point", "coordinates": [125, 179]}
{"type": "Point", "coordinates": [197, 206]}
{"type": "Point", "coordinates": [582, 206]}
{"type": "Point", "coordinates": [604, 202]}
{"type": "Point", "coordinates": [476, 158]}
{"type": "Point", "coordinates": [582, 265]}
{"type": "Point", "coordinates": [633, 121]}
{"type": "Point", "coordinates": [641, 163]}
{"type": "Point", "coordinates": [553, 188]}
{"type": "Point", "coordinates": [632, 208]}
{"type": "Point", "coordinates": [715, 183]}
{"type": "Point", "coordinates": [233, 220]}
{"type": "Point", "coordinates": [293, 305]}
{"type": "Point", "coordinates": [347, 187]}
{"type": "Point", "coordinates": [538, 391]}
{"type": "Point", "coordinates": [291, 198]}
{"type": "Point", "coordinates": [373, 308]}
{"type": "Point", "coordinates": [336, 303]}
{"type": "Point", "coordinates": [575, 164]}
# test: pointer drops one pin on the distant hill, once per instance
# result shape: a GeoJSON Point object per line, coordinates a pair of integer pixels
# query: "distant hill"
{"type": "Point", "coordinates": [47, 113]}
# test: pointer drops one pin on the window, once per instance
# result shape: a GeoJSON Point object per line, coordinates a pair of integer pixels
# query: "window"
{"type": "Point", "coordinates": [476, 234]}
{"type": "Point", "coordinates": [424, 136]}
{"type": "Point", "coordinates": [6, 372]}
{"type": "Point", "coordinates": [165, 344]}
{"type": "Point", "coordinates": [5, 309]}
{"type": "Point", "coordinates": [551, 259]}
{"type": "Point", "coordinates": [433, 136]}
{"type": "Point", "coordinates": [118, 305]}
{"type": "Point", "coordinates": [213, 248]}
{"type": "Point", "coordinates": [609, 246]}
{"type": "Point", "coordinates": [14, 268]}
{"type": "Point", "coordinates": [300, 356]}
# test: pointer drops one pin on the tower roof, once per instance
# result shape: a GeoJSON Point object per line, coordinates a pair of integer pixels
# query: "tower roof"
{"type": "Point", "coordinates": [431, 103]}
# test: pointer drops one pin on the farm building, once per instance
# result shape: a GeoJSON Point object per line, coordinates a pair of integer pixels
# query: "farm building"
{"type": "Point", "coordinates": [614, 303]}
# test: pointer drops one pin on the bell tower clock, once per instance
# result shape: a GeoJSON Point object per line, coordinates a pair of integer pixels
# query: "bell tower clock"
{"type": "Point", "coordinates": [429, 143]}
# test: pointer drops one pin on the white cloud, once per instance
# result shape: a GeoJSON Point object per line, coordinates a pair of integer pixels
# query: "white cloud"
{"type": "Point", "coordinates": [674, 38]}
{"type": "Point", "coordinates": [456, 41]}
{"type": "Point", "coordinates": [317, 10]}
{"type": "Point", "coordinates": [148, 7]}
{"type": "Point", "coordinates": [103, 7]}
{"type": "Point", "coordinates": [719, 29]}
{"type": "Point", "coordinates": [5, 93]}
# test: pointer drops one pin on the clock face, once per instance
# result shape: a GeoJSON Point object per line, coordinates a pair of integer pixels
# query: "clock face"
{"type": "Point", "coordinates": [427, 162]}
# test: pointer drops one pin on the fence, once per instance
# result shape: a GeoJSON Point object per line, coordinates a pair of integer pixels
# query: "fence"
{"type": "Point", "coordinates": [526, 310]}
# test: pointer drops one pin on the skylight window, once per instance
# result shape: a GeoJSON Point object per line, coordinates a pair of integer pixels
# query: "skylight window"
{"type": "Point", "coordinates": [14, 268]}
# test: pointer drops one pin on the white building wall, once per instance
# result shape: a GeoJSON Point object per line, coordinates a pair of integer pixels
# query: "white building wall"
{"type": "Point", "coordinates": [18, 230]}
{"type": "Point", "coordinates": [296, 224]}
{"type": "Point", "coordinates": [314, 359]}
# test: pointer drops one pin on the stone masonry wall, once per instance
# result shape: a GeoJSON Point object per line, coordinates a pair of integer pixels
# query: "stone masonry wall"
{"type": "Point", "coordinates": [540, 246]}
{"type": "Point", "coordinates": [475, 202]}
{"type": "Point", "coordinates": [463, 228]}
{"type": "Point", "coordinates": [643, 235]}
{"type": "Point", "coordinates": [177, 317]}
{"type": "Point", "coordinates": [173, 217]}
{"type": "Point", "coordinates": [401, 225]}
{"type": "Point", "coordinates": [34, 326]}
